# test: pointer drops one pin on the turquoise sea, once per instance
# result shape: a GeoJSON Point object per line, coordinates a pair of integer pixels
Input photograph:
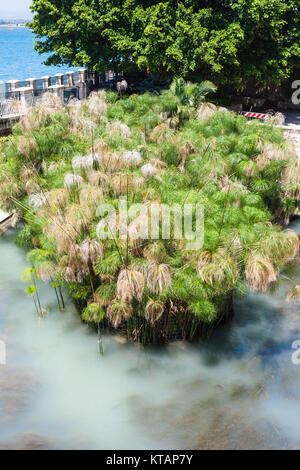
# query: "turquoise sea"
{"type": "Point", "coordinates": [18, 60]}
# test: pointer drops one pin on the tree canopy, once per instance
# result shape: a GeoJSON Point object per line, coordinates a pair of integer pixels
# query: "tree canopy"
{"type": "Point", "coordinates": [223, 40]}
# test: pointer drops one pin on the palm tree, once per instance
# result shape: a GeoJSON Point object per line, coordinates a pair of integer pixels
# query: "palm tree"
{"type": "Point", "coordinates": [191, 94]}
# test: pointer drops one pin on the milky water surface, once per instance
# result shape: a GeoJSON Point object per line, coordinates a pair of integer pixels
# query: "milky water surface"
{"type": "Point", "coordinates": [240, 389]}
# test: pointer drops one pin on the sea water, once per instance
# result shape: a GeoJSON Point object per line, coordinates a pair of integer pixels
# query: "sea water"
{"type": "Point", "coordinates": [19, 60]}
